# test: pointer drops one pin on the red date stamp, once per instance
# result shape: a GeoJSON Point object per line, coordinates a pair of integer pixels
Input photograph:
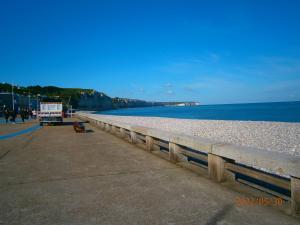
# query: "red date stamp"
{"type": "Point", "coordinates": [265, 201]}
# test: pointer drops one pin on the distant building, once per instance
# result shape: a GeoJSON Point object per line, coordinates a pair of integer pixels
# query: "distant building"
{"type": "Point", "coordinates": [20, 101]}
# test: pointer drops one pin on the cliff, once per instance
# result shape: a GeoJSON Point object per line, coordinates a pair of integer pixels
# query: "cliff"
{"type": "Point", "coordinates": [84, 99]}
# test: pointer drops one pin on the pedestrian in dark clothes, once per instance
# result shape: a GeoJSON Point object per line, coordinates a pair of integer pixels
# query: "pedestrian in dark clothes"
{"type": "Point", "coordinates": [6, 114]}
{"type": "Point", "coordinates": [23, 114]}
{"type": "Point", "coordinates": [13, 116]}
{"type": "Point", "coordinates": [26, 114]}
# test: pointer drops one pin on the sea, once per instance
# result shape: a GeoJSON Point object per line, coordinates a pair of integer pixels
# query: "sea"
{"type": "Point", "coordinates": [272, 111]}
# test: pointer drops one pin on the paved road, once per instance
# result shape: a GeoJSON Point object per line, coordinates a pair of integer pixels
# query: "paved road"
{"type": "Point", "coordinates": [18, 120]}
{"type": "Point", "coordinates": [56, 176]}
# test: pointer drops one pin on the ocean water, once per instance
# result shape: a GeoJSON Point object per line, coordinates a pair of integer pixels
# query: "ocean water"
{"type": "Point", "coordinates": [275, 111]}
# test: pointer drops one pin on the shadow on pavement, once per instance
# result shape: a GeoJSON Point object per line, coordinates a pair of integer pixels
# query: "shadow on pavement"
{"type": "Point", "coordinates": [71, 123]}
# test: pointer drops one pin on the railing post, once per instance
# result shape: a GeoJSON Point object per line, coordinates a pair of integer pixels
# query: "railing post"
{"type": "Point", "coordinates": [216, 167]}
{"type": "Point", "coordinates": [173, 152]}
{"type": "Point", "coordinates": [133, 137]}
{"type": "Point", "coordinates": [113, 129]}
{"type": "Point", "coordinates": [295, 195]}
{"type": "Point", "coordinates": [149, 143]}
{"type": "Point", "coordinates": [107, 127]}
{"type": "Point", "coordinates": [122, 131]}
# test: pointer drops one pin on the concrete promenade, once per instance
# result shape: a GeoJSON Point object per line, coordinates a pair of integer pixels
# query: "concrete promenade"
{"type": "Point", "coordinates": [53, 175]}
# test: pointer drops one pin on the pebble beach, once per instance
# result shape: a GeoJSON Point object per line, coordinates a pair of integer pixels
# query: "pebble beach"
{"type": "Point", "coordinates": [272, 136]}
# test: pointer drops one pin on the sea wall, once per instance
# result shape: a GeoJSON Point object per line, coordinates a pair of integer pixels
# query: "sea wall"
{"type": "Point", "coordinates": [223, 161]}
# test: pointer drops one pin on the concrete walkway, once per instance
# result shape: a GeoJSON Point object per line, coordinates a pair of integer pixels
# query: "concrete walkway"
{"type": "Point", "coordinates": [56, 176]}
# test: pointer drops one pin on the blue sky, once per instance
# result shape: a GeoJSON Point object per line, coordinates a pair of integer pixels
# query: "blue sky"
{"type": "Point", "coordinates": [207, 51]}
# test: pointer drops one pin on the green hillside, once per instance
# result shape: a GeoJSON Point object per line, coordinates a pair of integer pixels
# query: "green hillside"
{"type": "Point", "coordinates": [79, 98]}
{"type": "Point", "coordinates": [49, 93]}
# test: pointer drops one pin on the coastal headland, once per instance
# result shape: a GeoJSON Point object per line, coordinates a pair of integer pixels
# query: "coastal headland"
{"type": "Point", "coordinates": [78, 98]}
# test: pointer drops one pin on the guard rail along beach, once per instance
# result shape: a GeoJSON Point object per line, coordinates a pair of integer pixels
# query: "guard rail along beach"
{"type": "Point", "coordinates": [273, 172]}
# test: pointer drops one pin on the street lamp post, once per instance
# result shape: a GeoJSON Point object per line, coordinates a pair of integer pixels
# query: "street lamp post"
{"type": "Point", "coordinates": [12, 95]}
{"type": "Point", "coordinates": [29, 105]}
{"type": "Point", "coordinates": [37, 101]}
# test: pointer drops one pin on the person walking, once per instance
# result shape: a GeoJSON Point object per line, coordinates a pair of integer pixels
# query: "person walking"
{"type": "Point", "coordinates": [23, 114]}
{"type": "Point", "coordinates": [13, 116]}
{"type": "Point", "coordinates": [6, 114]}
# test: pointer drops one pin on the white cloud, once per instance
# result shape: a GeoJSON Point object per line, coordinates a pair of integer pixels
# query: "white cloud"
{"type": "Point", "coordinates": [170, 92]}
{"type": "Point", "coordinates": [214, 57]}
{"type": "Point", "coordinates": [213, 83]}
{"type": "Point", "coordinates": [168, 85]}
